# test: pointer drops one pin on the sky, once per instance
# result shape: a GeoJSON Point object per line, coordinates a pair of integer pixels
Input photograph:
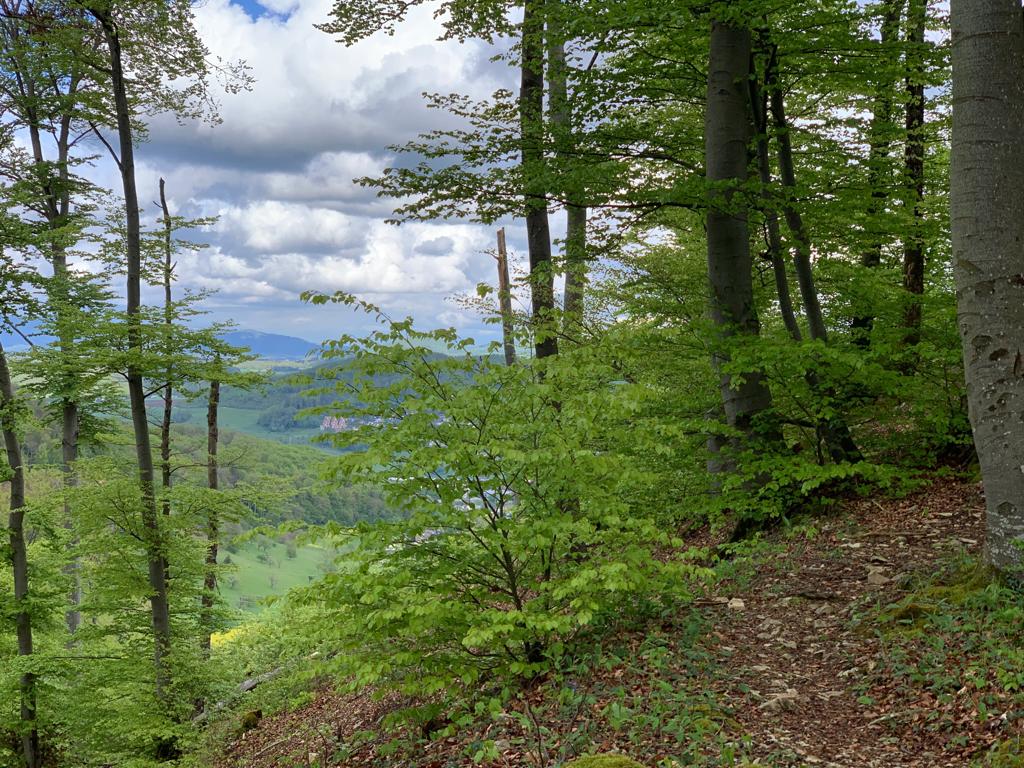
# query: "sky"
{"type": "Point", "coordinates": [278, 172]}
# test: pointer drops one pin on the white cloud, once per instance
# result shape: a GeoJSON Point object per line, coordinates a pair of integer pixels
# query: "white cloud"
{"type": "Point", "coordinates": [278, 170]}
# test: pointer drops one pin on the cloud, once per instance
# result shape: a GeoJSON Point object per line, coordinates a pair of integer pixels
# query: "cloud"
{"type": "Point", "coordinates": [278, 171]}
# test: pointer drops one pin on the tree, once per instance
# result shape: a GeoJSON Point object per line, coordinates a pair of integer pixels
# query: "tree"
{"type": "Point", "coordinates": [19, 560]}
{"type": "Point", "coordinates": [745, 396]}
{"type": "Point", "coordinates": [987, 213]}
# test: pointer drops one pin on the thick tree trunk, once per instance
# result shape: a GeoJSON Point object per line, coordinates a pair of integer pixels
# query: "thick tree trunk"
{"type": "Point", "coordinates": [538, 232]}
{"type": "Point", "coordinates": [987, 216]}
{"type": "Point", "coordinates": [879, 141]}
{"type": "Point", "coordinates": [159, 605]}
{"type": "Point", "coordinates": [505, 301]}
{"type": "Point", "coordinates": [726, 134]}
{"type": "Point", "coordinates": [19, 564]}
{"type": "Point", "coordinates": [212, 520]}
{"type": "Point", "coordinates": [913, 243]}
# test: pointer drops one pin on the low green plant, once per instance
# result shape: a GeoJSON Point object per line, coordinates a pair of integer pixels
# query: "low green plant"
{"type": "Point", "coordinates": [519, 530]}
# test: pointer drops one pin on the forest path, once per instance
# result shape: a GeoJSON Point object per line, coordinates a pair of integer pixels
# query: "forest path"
{"type": "Point", "coordinates": [796, 662]}
{"type": "Point", "coordinates": [790, 662]}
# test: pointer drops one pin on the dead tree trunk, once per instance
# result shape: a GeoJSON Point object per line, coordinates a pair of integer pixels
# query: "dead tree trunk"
{"type": "Point", "coordinates": [505, 301]}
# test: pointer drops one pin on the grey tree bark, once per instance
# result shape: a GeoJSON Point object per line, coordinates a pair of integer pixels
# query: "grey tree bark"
{"type": "Point", "coordinates": [987, 216]}
{"type": "Point", "coordinates": [19, 564]}
{"type": "Point", "coordinates": [726, 136]}
{"type": "Point", "coordinates": [158, 599]}
{"type": "Point", "coordinates": [538, 231]}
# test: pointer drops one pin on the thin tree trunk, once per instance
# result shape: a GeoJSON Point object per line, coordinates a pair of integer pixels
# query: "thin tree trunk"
{"type": "Point", "coordinates": [913, 244]}
{"type": "Point", "coordinates": [726, 135]}
{"type": "Point", "coordinates": [168, 394]}
{"type": "Point", "coordinates": [759, 108]}
{"type": "Point", "coordinates": [505, 301]}
{"type": "Point", "coordinates": [57, 207]}
{"type": "Point", "coordinates": [538, 232]}
{"type": "Point", "coordinates": [212, 520]}
{"type": "Point", "coordinates": [878, 151]}
{"type": "Point", "coordinates": [987, 216]}
{"type": "Point", "coordinates": [159, 605]}
{"type": "Point", "coordinates": [794, 221]}
{"type": "Point", "coordinates": [833, 431]}
{"type": "Point", "coordinates": [575, 212]}
{"type": "Point", "coordinates": [19, 563]}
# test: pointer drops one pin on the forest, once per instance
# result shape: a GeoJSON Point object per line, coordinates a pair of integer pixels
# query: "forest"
{"type": "Point", "coordinates": [721, 465]}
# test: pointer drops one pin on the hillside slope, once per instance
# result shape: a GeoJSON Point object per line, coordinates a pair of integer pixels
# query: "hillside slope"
{"type": "Point", "coordinates": [817, 651]}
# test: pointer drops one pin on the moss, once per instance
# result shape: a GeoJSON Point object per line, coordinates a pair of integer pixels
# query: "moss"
{"type": "Point", "coordinates": [604, 761]}
{"type": "Point", "coordinates": [1006, 754]}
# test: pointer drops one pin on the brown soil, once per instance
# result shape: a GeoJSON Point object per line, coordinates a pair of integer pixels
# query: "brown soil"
{"type": "Point", "coordinates": [789, 663]}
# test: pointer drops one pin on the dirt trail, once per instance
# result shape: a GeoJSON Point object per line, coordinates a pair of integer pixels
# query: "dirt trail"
{"type": "Point", "coordinates": [795, 659]}
{"type": "Point", "coordinates": [790, 660]}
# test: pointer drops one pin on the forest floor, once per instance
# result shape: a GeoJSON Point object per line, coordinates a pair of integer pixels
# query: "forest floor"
{"type": "Point", "coordinates": [867, 642]}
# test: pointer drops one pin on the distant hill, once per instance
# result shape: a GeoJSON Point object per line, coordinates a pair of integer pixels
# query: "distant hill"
{"type": "Point", "coordinates": [272, 346]}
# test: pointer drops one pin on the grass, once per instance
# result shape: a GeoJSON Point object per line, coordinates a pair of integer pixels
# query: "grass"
{"type": "Point", "coordinates": [245, 420]}
{"type": "Point", "coordinates": [261, 568]}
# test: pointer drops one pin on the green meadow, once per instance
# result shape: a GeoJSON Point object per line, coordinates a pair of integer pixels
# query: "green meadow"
{"type": "Point", "coordinates": [261, 568]}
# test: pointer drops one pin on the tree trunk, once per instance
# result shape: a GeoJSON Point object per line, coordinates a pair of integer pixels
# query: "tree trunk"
{"type": "Point", "coordinates": [878, 151]}
{"type": "Point", "coordinates": [159, 606]}
{"type": "Point", "coordinates": [575, 212]}
{"type": "Point", "coordinates": [57, 199]}
{"type": "Point", "coordinates": [759, 110]}
{"type": "Point", "coordinates": [833, 431]}
{"type": "Point", "coordinates": [168, 394]}
{"type": "Point", "coordinates": [987, 216]}
{"type": "Point", "coordinates": [794, 221]}
{"type": "Point", "coordinates": [726, 134]}
{"type": "Point", "coordinates": [538, 233]}
{"type": "Point", "coordinates": [212, 521]}
{"type": "Point", "coordinates": [19, 564]}
{"type": "Point", "coordinates": [505, 301]}
{"type": "Point", "coordinates": [913, 244]}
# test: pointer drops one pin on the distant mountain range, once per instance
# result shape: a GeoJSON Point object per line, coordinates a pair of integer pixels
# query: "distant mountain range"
{"type": "Point", "coordinates": [272, 346]}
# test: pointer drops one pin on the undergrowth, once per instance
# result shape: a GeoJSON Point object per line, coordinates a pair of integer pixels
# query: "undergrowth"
{"type": "Point", "coordinates": [951, 655]}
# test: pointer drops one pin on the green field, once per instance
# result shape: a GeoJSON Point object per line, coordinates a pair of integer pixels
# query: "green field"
{"type": "Point", "coordinates": [262, 568]}
{"type": "Point", "coordinates": [245, 420]}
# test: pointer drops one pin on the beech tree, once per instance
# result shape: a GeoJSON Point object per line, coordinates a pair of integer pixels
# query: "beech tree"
{"type": "Point", "coordinates": [745, 396]}
{"type": "Point", "coordinates": [987, 210]}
